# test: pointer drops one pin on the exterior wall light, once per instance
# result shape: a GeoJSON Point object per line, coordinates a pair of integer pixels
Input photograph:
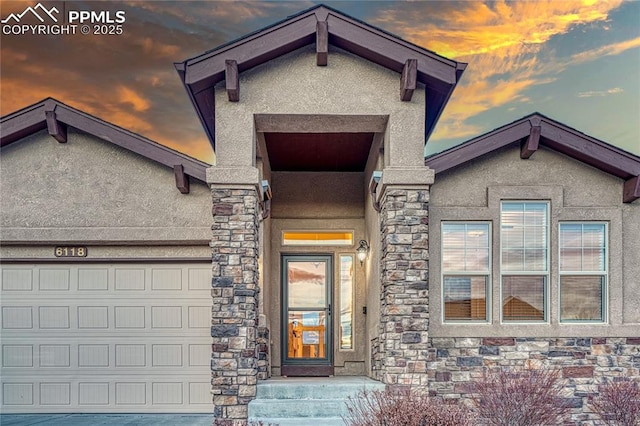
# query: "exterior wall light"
{"type": "Point", "coordinates": [362, 251]}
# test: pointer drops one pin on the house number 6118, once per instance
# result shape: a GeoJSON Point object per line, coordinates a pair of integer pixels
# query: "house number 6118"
{"type": "Point", "coordinates": [71, 252]}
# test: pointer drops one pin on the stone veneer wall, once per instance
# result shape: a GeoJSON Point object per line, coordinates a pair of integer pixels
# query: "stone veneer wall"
{"type": "Point", "coordinates": [234, 363]}
{"type": "Point", "coordinates": [584, 362]}
{"type": "Point", "coordinates": [263, 353]}
{"type": "Point", "coordinates": [402, 347]}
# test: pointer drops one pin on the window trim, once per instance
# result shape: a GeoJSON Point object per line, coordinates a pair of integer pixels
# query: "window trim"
{"type": "Point", "coordinates": [546, 291]}
{"type": "Point", "coordinates": [604, 302]}
{"type": "Point", "coordinates": [488, 274]}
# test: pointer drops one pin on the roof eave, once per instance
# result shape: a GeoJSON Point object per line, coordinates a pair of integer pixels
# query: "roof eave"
{"type": "Point", "coordinates": [32, 119]}
{"type": "Point", "coordinates": [200, 74]}
{"type": "Point", "coordinates": [554, 135]}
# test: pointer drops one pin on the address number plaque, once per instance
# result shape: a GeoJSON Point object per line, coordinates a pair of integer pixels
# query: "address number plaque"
{"type": "Point", "coordinates": [70, 251]}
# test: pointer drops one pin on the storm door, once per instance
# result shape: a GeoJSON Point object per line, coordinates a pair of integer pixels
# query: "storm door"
{"type": "Point", "coordinates": [307, 333]}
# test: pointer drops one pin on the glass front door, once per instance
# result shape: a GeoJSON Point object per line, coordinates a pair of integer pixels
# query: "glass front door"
{"type": "Point", "coordinates": [306, 290]}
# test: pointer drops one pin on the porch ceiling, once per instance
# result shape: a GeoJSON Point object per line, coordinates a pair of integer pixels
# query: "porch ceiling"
{"type": "Point", "coordinates": [318, 152]}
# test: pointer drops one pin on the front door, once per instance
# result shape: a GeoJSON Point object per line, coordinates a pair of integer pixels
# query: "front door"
{"type": "Point", "coordinates": [307, 332]}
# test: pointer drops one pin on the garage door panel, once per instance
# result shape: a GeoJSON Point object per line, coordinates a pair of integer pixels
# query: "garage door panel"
{"type": "Point", "coordinates": [106, 338]}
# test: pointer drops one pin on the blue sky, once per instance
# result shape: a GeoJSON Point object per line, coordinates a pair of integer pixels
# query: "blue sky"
{"type": "Point", "coordinates": [577, 62]}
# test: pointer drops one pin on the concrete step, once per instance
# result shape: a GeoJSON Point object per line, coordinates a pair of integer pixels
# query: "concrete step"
{"type": "Point", "coordinates": [284, 408]}
{"type": "Point", "coordinates": [302, 421]}
{"type": "Point", "coordinates": [299, 401]}
{"type": "Point", "coordinates": [315, 388]}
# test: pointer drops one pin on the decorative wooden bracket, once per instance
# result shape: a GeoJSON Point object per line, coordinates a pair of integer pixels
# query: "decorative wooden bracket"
{"type": "Point", "coordinates": [322, 43]}
{"type": "Point", "coordinates": [56, 129]}
{"type": "Point", "coordinates": [232, 80]}
{"type": "Point", "coordinates": [182, 180]}
{"type": "Point", "coordinates": [532, 143]}
{"type": "Point", "coordinates": [631, 190]}
{"type": "Point", "coordinates": [408, 80]}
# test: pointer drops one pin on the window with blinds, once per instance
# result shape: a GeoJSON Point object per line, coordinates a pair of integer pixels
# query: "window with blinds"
{"type": "Point", "coordinates": [465, 270]}
{"type": "Point", "coordinates": [583, 271]}
{"type": "Point", "coordinates": [524, 260]}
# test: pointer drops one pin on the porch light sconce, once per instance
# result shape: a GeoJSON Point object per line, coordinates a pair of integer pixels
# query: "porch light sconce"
{"type": "Point", "coordinates": [362, 251]}
{"type": "Point", "coordinates": [266, 199]}
{"type": "Point", "coordinates": [373, 188]}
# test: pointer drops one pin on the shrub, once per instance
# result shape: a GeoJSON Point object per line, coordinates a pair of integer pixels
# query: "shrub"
{"type": "Point", "coordinates": [403, 407]}
{"type": "Point", "coordinates": [618, 403]}
{"type": "Point", "coordinates": [519, 398]}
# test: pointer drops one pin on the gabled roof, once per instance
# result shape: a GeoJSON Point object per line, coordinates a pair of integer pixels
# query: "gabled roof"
{"type": "Point", "coordinates": [321, 25]}
{"type": "Point", "coordinates": [534, 130]}
{"type": "Point", "coordinates": [55, 116]}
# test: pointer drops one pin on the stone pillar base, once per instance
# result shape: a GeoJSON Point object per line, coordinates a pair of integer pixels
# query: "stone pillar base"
{"type": "Point", "coordinates": [234, 363]}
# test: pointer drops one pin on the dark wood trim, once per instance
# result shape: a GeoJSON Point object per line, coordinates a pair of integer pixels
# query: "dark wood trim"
{"type": "Point", "coordinates": [589, 150]}
{"type": "Point", "coordinates": [33, 118]}
{"type": "Point", "coordinates": [55, 128]}
{"type": "Point", "coordinates": [553, 135]}
{"type": "Point", "coordinates": [390, 51]}
{"type": "Point", "coordinates": [322, 43]}
{"type": "Point", "coordinates": [307, 370]}
{"type": "Point", "coordinates": [232, 80]}
{"type": "Point", "coordinates": [439, 74]}
{"type": "Point", "coordinates": [531, 144]}
{"type": "Point", "coordinates": [477, 147]}
{"type": "Point", "coordinates": [253, 50]}
{"type": "Point", "coordinates": [182, 180]}
{"type": "Point", "coordinates": [631, 191]}
{"type": "Point", "coordinates": [49, 260]}
{"type": "Point", "coordinates": [408, 79]}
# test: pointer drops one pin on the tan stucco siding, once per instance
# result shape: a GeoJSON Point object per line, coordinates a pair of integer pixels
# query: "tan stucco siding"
{"type": "Point", "coordinates": [294, 84]}
{"type": "Point", "coordinates": [91, 190]}
{"type": "Point", "coordinates": [576, 192]}
{"type": "Point", "coordinates": [317, 195]}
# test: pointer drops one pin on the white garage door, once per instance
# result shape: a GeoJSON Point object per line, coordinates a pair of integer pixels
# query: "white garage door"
{"type": "Point", "coordinates": [106, 338]}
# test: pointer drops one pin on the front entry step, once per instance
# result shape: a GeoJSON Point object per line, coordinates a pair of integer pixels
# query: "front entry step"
{"type": "Point", "coordinates": [307, 401]}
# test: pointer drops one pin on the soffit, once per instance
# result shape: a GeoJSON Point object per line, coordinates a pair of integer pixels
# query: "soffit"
{"type": "Point", "coordinates": [331, 152]}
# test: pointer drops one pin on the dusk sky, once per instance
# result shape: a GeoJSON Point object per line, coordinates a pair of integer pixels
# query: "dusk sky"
{"type": "Point", "coordinates": [576, 62]}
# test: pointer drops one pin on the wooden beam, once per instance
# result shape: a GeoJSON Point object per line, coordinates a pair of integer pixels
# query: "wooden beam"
{"type": "Point", "coordinates": [631, 191]}
{"type": "Point", "coordinates": [56, 129]}
{"type": "Point", "coordinates": [408, 80]}
{"type": "Point", "coordinates": [531, 144]}
{"type": "Point", "coordinates": [182, 180]}
{"type": "Point", "coordinates": [322, 43]}
{"type": "Point", "coordinates": [232, 80]}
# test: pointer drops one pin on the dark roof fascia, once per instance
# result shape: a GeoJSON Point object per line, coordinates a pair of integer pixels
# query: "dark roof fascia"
{"type": "Point", "coordinates": [29, 120]}
{"type": "Point", "coordinates": [554, 135]}
{"type": "Point", "coordinates": [201, 73]}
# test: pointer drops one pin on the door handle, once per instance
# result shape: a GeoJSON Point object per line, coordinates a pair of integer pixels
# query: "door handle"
{"type": "Point", "coordinates": [329, 309]}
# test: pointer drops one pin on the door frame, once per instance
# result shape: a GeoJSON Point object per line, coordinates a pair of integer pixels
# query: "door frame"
{"type": "Point", "coordinates": [307, 366]}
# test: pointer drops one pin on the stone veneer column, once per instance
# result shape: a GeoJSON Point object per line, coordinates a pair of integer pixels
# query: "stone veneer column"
{"type": "Point", "coordinates": [404, 298]}
{"type": "Point", "coordinates": [234, 363]}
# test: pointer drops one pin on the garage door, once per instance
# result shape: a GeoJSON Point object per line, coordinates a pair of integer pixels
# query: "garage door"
{"type": "Point", "coordinates": [106, 338]}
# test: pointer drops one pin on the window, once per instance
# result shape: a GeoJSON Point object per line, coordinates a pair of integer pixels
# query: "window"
{"type": "Point", "coordinates": [320, 238]}
{"type": "Point", "coordinates": [583, 271]}
{"type": "Point", "coordinates": [346, 302]}
{"type": "Point", "coordinates": [465, 270]}
{"type": "Point", "coordinates": [524, 252]}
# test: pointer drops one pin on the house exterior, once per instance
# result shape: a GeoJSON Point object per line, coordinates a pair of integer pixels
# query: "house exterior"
{"type": "Point", "coordinates": [330, 245]}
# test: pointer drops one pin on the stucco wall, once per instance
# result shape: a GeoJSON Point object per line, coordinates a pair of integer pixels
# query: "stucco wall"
{"type": "Point", "coordinates": [294, 84]}
{"type": "Point", "coordinates": [89, 190]}
{"type": "Point", "coordinates": [317, 195]}
{"type": "Point", "coordinates": [576, 192]}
